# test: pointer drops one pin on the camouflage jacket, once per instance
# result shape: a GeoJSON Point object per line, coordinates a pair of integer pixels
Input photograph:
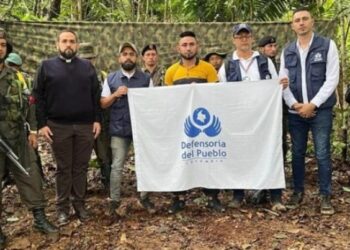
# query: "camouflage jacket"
{"type": "Point", "coordinates": [14, 104]}
{"type": "Point", "coordinates": [157, 76]}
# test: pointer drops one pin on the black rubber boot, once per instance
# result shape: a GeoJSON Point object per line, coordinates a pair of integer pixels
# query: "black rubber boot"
{"type": "Point", "coordinates": [105, 175]}
{"type": "Point", "coordinates": [2, 240]}
{"type": "Point", "coordinates": [42, 224]}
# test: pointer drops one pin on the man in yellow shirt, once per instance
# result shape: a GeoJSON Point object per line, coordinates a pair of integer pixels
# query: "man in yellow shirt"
{"type": "Point", "coordinates": [190, 69]}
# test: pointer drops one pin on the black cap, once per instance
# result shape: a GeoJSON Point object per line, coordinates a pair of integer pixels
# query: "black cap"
{"type": "Point", "coordinates": [266, 40]}
{"type": "Point", "coordinates": [148, 47]}
{"type": "Point", "coordinates": [207, 56]}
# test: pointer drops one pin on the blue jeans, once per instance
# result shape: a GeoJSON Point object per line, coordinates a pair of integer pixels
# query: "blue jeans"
{"type": "Point", "coordinates": [120, 147]}
{"type": "Point", "coordinates": [321, 128]}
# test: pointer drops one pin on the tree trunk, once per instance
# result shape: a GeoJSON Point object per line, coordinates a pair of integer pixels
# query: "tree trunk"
{"type": "Point", "coordinates": [138, 10]}
{"type": "Point", "coordinates": [165, 10]}
{"type": "Point", "coordinates": [55, 9]}
{"type": "Point", "coordinates": [135, 8]}
{"type": "Point", "coordinates": [146, 11]}
{"type": "Point", "coordinates": [36, 7]}
{"type": "Point", "coordinates": [77, 12]}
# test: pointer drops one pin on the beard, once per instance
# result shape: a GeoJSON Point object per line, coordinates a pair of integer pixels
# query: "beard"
{"type": "Point", "coordinates": [68, 53]}
{"type": "Point", "coordinates": [128, 66]}
{"type": "Point", "coordinates": [188, 56]}
{"type": "Point", "coordinates": [2, 60]}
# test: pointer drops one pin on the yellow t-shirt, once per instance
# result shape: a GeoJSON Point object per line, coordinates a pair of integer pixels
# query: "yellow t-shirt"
{"type": "Point", "coordinates": [202, 72]}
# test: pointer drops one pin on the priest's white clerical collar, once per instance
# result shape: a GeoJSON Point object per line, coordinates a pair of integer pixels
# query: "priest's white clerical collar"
{"type": "Point", "coordinates": [65, 59]}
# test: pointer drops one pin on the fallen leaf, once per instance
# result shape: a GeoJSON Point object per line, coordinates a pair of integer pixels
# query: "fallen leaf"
{"type": "Point", "coordinates": [246, 246]}
{"type": "Point", "coordinates": [271, 212]}
{"type": "Point", "coordinates": [293, 231]}
{"type": "Point", "coordinates": [66, 231]}
{"type": "Point", "coordinates": [123, 239]}
{"type": "Point", "coordinates": [260, 214]}
{"type": "Point", "coordinates": [22, 243]}
{"type": "Point", "coordinates": [53, 237]}
{"type": "Point", "coordinates": [280, 236]}
{"type": "Point", "coordinates": [12, 219]}
{"type": "Point", "coordinates": [346, 189]}
{"type": "Point", "coordinates": [328, 244]}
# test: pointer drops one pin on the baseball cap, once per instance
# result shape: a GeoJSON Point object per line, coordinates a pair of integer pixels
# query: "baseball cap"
{"type": "Point", "coordinates": [129, 45]}
{"type": "Point", "coordinates": [242, 26]}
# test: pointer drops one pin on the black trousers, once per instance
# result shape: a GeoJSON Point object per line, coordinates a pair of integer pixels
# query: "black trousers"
{"type": "Point", "coordinates": [72, 146]}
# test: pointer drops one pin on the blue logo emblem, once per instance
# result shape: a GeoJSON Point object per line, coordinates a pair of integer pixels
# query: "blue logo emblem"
{"type": "Point", "coordinates": [202, 122]}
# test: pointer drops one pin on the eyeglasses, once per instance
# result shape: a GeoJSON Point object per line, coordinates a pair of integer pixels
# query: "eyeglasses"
{"type": "Point", "coordinates": [243, 37]}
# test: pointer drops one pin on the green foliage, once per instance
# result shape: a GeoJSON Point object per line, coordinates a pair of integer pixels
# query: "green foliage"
{"type": "Point", "coordinates": [172, 10]}
{"type": "Point", "coordinates": [234, 10]}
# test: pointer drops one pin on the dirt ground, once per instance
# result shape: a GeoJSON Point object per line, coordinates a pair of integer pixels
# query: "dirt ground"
{"type": "Point", "coordinates": [251, 227]}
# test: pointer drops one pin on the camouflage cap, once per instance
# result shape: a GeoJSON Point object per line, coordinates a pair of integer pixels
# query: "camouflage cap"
{"type": "Point", "coordinates": [127, 45]}
{"type": "Point", "coordinates": [86, 51]}
{"type": "Point", "coordinates": [14, 58]}
{"type": "Point", "coordinates": [242, 26]}
{"type": "Point", "coordinates": [207, 56]}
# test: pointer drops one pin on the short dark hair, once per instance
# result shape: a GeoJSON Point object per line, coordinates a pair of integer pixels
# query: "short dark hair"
{"type": "Point", "coordinates": [3, 35]}
{"type": "Point", "coordinates": [69, 31]}
{"type": "Point", "coordinates": [301, 9]}
{"type": "Point", "coordinates": [188, 33]}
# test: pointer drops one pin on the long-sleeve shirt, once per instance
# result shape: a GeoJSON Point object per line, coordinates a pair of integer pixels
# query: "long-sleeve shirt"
{"type": "Point", "coordinates": [329, 86]}
{"type": "Point", "coordinates": [67, 92]}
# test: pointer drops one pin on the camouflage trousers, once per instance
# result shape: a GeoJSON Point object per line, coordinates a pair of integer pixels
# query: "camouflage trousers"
{"type": "Point", "coordinates": [29, 187]}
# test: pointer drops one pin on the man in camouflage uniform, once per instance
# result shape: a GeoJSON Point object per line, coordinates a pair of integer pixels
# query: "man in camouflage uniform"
{"type": "Point", "coordinates": [150, 61]}
{"type": "Point", "coordinates": [15, 62]}
{"type": "Point", "coordinates": [102, 143]}
{"type": "Point", "coordinates": [13, 107]}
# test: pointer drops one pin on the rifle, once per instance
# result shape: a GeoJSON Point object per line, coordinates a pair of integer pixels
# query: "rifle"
{"type": "Point", "coordinates": [6, 149]}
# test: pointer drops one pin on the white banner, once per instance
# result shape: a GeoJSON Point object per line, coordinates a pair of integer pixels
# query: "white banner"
{"type": "Point", "coordinates": [225, 135]}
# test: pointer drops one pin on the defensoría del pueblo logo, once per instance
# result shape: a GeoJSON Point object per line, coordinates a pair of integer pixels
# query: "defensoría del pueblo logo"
{"type": "Point", "coordinates": [202, 121]}
{"type": "Point", "coordinates": [210, 148]}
